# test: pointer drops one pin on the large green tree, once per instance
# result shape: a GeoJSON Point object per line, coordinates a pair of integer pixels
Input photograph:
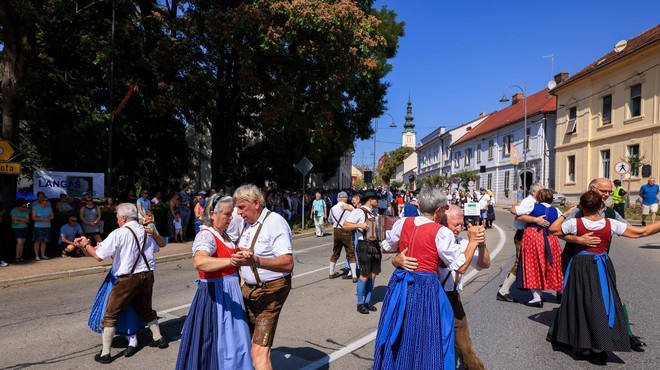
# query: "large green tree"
{"type": "Point", "coordinates": [276, 80]}
{"type": "Point", "coordinates": [261, 83]}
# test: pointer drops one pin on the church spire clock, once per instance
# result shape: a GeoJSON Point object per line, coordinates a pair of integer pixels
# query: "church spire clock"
{"type": "Point", "coordinates": [409, 136]}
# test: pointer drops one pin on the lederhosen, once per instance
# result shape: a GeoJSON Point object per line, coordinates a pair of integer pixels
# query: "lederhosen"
{"type": "Point", "coordinates": [132, 287]}
{"type": "Point", "coordinates": [369, 255]}
{"type": "Point", "coordinates": [341, 238]}
{"type": "Point", "coordinates": [264, 300]}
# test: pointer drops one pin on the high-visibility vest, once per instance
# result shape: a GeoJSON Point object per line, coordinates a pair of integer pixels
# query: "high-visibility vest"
{"type": "Point", "coordinates": [616, 197]}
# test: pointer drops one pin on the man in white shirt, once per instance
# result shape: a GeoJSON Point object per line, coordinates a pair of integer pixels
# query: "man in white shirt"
{"type": "Point", "coordinates": [342, 238]}
{"type": "Point", "coordinates": [483, 201]}
{"type": "Point", "coordinates": [361, 220]}
{"type": "Point", "coordinates": [133, 263]}
{"type": "Point", "coordinates": [266, 261]}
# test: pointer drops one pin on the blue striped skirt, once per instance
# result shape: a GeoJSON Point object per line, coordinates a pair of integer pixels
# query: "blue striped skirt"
{"type": "Point", "coordinates": [216, 333]}
{"type": "Point", "coordinates": [128, 321]}
{"type": "Point", "coordinates": [416, 327]}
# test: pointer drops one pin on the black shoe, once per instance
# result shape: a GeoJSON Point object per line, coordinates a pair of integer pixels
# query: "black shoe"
{"type": "Point", "coordinates": [130, 351]}
{"type": "Point", "coordinates": [334, 276]}
{"type": "Point", "coordinates": [538, 304]}
{"type": "Point", "coordinates": [362, 309]}
{"type": "Point", "coordinates": [643, 223]}
{"type": "Point", "coordinates": [505, 297]}
{"type": "Point", "coordinates": [102, 359]}
{"type": "Point", "coordinates": [160, 343]}
{"type": "Point", "coordinates": [597, 358]}
{"type": "Point", "coordinates": [636, 344]}
{"type": "Point", "coordinates": [371, 307]}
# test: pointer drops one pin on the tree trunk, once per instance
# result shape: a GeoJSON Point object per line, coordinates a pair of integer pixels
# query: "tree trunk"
{"type": "Point", "coordinates": [14, 65]}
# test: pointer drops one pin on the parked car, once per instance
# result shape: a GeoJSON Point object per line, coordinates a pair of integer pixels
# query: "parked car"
{"type": "Point", "coordinates": [558, 198]}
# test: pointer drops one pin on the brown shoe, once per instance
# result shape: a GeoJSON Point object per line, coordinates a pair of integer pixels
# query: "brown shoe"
{"type": "Point", "coordinates": [355, 280]}
{"type": "Point", "coordinates": [334, 275]}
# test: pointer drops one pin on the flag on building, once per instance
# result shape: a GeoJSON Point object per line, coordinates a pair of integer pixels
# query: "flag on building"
{"type": "Point", "coordinates": [514, 158]}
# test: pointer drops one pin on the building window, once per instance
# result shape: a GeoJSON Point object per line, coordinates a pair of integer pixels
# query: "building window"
{"type": "Point", "coordinates": [478, 153]}
{"type": "Point", "coordinates": [570, 168]}
{"type": "Point", "coordinates": [528, 134]}
{"type": "Point", "coordinates": [605, 163]}
{"type": "Point", "coordinates": [491, 149]}
{"type": "Point", "coordinates": [457, 159]}
{"type": "Point", "coordinates": [633, 154]}
{"type": "Point", "coordinates": [507, 181]}
{"type": "Point", "coordinates": [607, 109]}
{"type": "Point", "coordinates": [636, 100]}
{"type": "Point", "coordinates": [468, 156]}
{"type": "Point", "coordinates": [506, 145]}
{"type": "Point", "coordinates": [572, 121]}
{"type": "Point", "coordinates": [490, 181]}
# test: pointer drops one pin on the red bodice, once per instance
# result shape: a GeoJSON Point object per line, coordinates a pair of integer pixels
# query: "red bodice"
{"type": "Point", "coordinates": [221, 251]}
{"type": "Point", "coordinates": [605, 235]}
{"type": "Point", "coordinates": [420, 241]}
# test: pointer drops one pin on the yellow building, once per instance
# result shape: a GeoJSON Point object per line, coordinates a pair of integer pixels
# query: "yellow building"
{"type": "Point", "coordinates": [609, 112]}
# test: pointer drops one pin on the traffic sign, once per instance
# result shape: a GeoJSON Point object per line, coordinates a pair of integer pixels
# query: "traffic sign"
{"type": "Point", "coordinates": [6, 150]}
{"type": "Point", "coordinates": [304, 166]}
{"type": "Point", "coordinates": [11, 168]}
{"type": "Point", "coordinates": [622, 167]}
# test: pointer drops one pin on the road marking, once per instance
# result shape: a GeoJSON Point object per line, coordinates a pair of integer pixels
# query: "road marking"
{"type": "Point", "coordinates": [169, 310]}
{"type": "Point", "coordinates": [310, 248]}
{"type": "Point", "coordinates": [372, 336]}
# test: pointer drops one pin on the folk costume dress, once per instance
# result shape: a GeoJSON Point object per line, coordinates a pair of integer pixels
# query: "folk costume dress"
{"type": "Point", "coordinates": [416, 327]}
{"type": "Point", "coordinates": [540, 256]}
{"type": "Point", "coordinates": [128, 321]}
{"type": "Point", "coordinates": [215, 335]}
{"type": "Point", "coordinates": [591, 314]}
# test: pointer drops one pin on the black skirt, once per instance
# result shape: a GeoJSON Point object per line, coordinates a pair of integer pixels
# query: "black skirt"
{"type": "Point", "coordinates": [581, 320]}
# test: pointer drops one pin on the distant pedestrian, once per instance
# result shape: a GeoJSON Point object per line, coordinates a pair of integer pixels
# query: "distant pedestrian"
{"type": "Point", "coordinates": [90, 218]}
{"type": "Point", "coordinates": [42, 214]}
{"type": "Point", "coordinates": [619, 198]}
{"type": "Point", "coordinates": [20, 218]}
{"type": "Point", "coordinates": [649, 194]}
{"type": "Point", "coordinates": [186, 208]}
{"type": "Point", "coordinates": [317, 214]}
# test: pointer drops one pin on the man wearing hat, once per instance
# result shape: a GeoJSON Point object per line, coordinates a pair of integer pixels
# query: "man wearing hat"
{"type": "Point", "coordinates": [342, 238]}
{"type": "Point", "coordinates": [369, 255]}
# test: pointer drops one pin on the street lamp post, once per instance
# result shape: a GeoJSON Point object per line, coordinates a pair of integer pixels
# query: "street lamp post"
{"type": "Point", "coordinates": [373, 175]}
{"type": "Point", "coordinates": [505, 100]}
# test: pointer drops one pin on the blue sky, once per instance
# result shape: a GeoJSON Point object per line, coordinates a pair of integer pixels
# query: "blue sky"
{"type": "Point", "coordinates": [458, 57]}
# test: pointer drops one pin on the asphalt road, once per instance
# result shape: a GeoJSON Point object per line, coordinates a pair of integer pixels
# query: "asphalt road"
{"type": "Point", "coordinates": [44, 325]}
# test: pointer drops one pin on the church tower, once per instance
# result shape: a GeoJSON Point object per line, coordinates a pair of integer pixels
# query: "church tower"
{"type": "Point", "coordinates": [409, 136]}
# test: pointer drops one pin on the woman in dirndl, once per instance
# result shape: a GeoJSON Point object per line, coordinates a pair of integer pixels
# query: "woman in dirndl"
{"type": "Point", "coordinates": [416, 327]}
{"type": "Point", "coordinates": [215, 334]}
{"type": "Point", "coordinates": [540, 255]}
{"type": "Point", "coordinates": [591, 318]}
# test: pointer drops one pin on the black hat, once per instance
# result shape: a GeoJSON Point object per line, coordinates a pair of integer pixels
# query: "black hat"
{"type": "Point", "coordinates": [371, 194]}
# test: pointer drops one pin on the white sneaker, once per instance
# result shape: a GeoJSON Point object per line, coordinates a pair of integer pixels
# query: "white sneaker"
{"type": "Point", "coordinates": [3, 263]}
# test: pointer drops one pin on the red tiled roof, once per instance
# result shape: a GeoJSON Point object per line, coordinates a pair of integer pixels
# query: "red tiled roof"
{"type": "Point", "coordinates": [541, 102]}
{"type": "Point", "coordinates": [632, 46]}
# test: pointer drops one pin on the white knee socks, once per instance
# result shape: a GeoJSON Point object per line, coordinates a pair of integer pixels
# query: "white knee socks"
{"type": "Point", "coordinates": [155, 329]}
{"type": "Point", "coordinates": [108, 334]}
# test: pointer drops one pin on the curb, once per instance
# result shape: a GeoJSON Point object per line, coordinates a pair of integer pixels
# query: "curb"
{"type": "Point", "coordinates": [102, 269]}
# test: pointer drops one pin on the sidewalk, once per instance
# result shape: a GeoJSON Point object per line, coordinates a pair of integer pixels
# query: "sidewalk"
{"type": "Point", "coordinates": [32, 271]}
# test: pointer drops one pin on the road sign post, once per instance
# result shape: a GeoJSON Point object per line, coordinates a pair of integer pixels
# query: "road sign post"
{"type": "Point", "coordinates": [304, 166]}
